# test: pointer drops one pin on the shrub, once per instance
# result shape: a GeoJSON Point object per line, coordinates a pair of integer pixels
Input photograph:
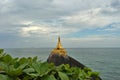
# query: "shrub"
{"type": "Point", "coordinates": [33, 69]}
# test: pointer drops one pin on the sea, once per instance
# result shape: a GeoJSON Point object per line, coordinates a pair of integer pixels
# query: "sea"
{"type": "Point", "coordinates": [106, 61]}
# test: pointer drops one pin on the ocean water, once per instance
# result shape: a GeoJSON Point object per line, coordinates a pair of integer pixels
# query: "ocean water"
{"type": "Point", "coordinates": [106, 61]}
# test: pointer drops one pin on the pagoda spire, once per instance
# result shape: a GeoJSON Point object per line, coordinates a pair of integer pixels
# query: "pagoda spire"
{"type": "Point", "coordinates": [59, 49]}
{"type": "Point", "coordinates": [59, 45]}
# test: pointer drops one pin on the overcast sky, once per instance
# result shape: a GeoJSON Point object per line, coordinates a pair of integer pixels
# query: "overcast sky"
{"type": "Point", "coordinates": [80, 23]}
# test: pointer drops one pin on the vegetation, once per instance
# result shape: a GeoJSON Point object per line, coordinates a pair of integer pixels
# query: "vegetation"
{"type": "Point", "coordinates": [33, 69]}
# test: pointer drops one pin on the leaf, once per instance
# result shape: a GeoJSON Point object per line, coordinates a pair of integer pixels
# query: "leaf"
{"type": "Point", "coordinates": [14, 72]}
{"type": "Point", "coordinates": [22, 60]}
{"type": "Point", "coordinates": [41, 68]}
{"type": "Point", "coordinates": [36, 67]}
{"type": "Point", "coordinates": [93, 74]}
{"type": "Point", "coordinates": [27, 78]}
{"type": "Point", "coordinates": [51, 77]}
{"type": "Point", "coordinates": [63, 76]}
{"type": "Point", "coordinates": [28, 70]}
{"type": "Point", "coordinates": [4, 77]}
{"type": "Point", "coordinates": [35, 59]}
{"type": "Point", "coordinates": [22, 66]}
{"type": "Point", "coordinates": [16, 65]}
{"type": "Point", "coordinates": [86, 69]}
{"type": "Point", "coordinates": [7, 58]}
{"type": "Point", "coordinates": [33, 75]}
{"type": "Point", "coordinates": [1, 51]}
{"type": "Point", "coordinates": [10, 70]}
{"type": "Point", "coordinates": [3, 66]}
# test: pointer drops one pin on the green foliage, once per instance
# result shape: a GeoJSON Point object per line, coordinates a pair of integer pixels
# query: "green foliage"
{"type": "Point", "coordinates": [33, 69]}
{"type": "Point", "coordinates": [63, 76]}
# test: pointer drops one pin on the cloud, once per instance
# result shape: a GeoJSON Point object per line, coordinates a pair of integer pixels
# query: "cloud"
{"type": "Point", "coordinates": [26, 31]}
{"type": "Point", "coordinates": [27, 20]}
{"type": "Point", "coordinates": [115, 4]}
{"type": "Point", "coordinates": [92, 18]}
{"type": "Point", "coordinates": [43, 29]}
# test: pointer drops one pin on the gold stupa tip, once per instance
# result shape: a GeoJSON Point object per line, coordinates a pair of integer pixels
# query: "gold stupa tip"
{"type": "Point", "coordinates": [59, 44]}
{"type": "Point", "coordinates": [59, 49]}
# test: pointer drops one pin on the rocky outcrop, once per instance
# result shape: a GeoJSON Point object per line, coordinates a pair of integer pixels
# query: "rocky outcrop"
{"type": "Point", "coordinates": [59, 56]}
{"type": "Point", "coordinates": [58, 60]}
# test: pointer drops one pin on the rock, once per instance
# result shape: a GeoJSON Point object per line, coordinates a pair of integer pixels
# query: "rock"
{"type": "Point", "coordinates": [59, 56]}
{"type": "Point", "coordinates": [58, 60]}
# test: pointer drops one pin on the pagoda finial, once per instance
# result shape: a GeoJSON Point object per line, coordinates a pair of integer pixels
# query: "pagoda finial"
{"type": "Point", "coordinates": [59, 43]}
{"type": "Point", "coordinates": [59, 39]}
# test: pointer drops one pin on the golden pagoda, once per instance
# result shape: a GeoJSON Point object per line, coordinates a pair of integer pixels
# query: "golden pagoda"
{"type": "Point", "coordinates": [59, 49]}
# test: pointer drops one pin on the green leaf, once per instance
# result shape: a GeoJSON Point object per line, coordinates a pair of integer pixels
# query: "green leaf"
{"type": "Point", "coordinates": [63, 76]}
{"type": "Point", "coordinates": [51, 77]}
{"type": "Point", "coordinates": [7, 58]}
{"type": "Point", "coordinates": [35, 59]}
{"type": "Point", "coordinates": [33, 75]}
{"type": "Point", "coordinates": [1, 54]}
{"type": "Point", "coordinates": [41, 68]}
{"type": "Point", "coordinates": [16, 65]}
{"type": "Point", "coordinates": [29, 70]}
{"type": "Point", "coordinates": [27, 78]}
{"type": "Point", "coordinates": [36, 67]}
{"type": "Point", "coordinates": [22, 60]}
{"type": "Point", "coordinates": [87, 69]}
{"type": "Point", "coordinates": [14, 72]}
{"type": "Point", "coordinates": [4, 77]}
{"type": "Point", "coordinates": [3, 66]}
{"type": "Point", "coordinates": [22, 66]}
{"type": "Point", "coordinates": [1, 51]}
{"type": "Point", "coordinates": [93, 74]}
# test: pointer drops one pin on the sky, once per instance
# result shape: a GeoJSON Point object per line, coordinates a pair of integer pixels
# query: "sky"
{"type": "Point", "coordinates": [79, 23]}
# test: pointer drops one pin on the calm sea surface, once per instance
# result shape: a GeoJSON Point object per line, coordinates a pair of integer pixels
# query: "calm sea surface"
{"type": "Point", "coordinates": [104, 60]}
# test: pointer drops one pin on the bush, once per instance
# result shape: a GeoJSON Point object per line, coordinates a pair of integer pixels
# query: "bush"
{"type": "Point", "coordinates": [33, 69]}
